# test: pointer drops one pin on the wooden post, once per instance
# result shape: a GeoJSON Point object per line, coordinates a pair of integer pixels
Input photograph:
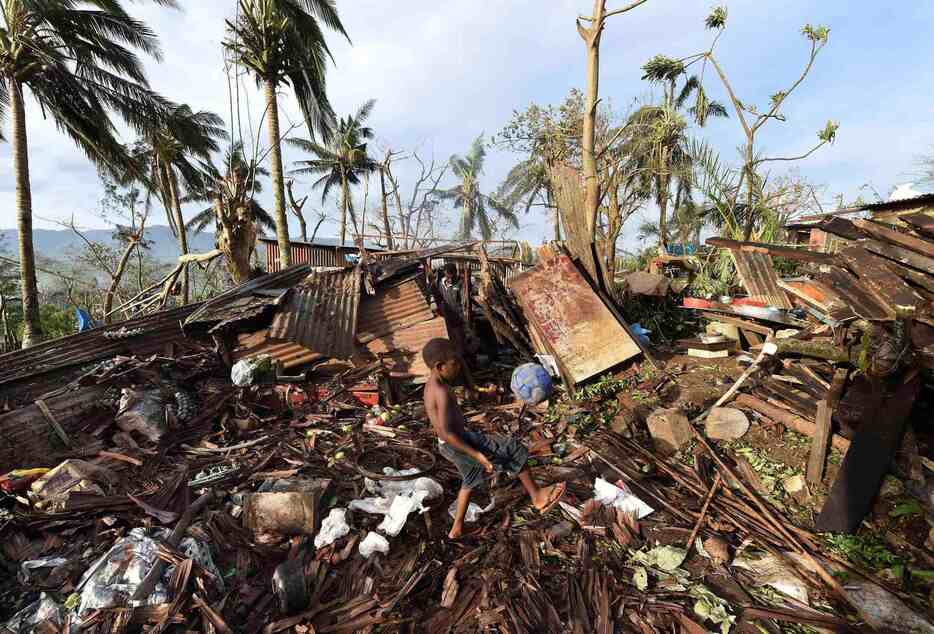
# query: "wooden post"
{"type": "Point", "coordinates": [819, 444]}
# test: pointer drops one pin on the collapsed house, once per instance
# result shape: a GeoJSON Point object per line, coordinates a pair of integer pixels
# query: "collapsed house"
{"type": "Point", "coordinates": [262, 461]}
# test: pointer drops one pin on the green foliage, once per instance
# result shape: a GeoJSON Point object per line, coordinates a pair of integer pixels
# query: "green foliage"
{"type": "Point", "coordinates": [281, 41]}
{"type": "Point", "coordinates": [817, 34]}
{"type": "Point", "coordinates": [662, 68]}
{"type": "Point", "coordinates": [829, 132]}
{"type": "Point", "coordinates": [717, 18]}
{"type": "Point", "coordinates": [56, 322]}
{"type": "Point", "coordinates": [908, 508]}
{"type": "Point", "coordinates": [865, 550]}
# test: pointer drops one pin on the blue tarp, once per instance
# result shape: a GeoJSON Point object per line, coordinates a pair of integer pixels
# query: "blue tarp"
{"type": "Point", "coordinates": [84, 320]}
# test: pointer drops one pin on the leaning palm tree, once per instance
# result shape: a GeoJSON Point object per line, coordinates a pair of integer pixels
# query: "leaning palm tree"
{"type": "Point", "coordinates": [77, 60]}
{"type": "Point", "coordinates": [342, 162]}
{"type": "Point", "coordinates": [467, 196]}
{"type": "Point", "coordinates": [233, 210]}
{"type": "Point", "coordinates": [167, 153]}
{"type": "Point", "coordinates": [281, 42]}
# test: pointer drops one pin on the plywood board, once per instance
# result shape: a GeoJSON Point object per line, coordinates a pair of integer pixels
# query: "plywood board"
{"type": "Point", "coordinates": [571, 317]}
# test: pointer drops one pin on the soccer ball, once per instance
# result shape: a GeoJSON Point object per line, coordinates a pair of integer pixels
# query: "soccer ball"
{"type": "Point", "coordinates": [531, 383]}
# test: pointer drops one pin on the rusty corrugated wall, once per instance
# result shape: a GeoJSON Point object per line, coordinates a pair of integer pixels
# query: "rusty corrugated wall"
{"type": "Point", "coordinates": [320, 314]}
{"type": "Point", "coordinates": [758, 276]}
{"type": "Point", "coordinates": [391, 309]}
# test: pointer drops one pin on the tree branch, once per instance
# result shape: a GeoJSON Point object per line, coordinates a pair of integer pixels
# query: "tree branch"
{"type": "Point", "coordinates": [815, 49]}
{"type": "Point", "coordinates": [790, 158]}
{"type": "Point", "coordinates": [737, 105]}
{"type": "Point", "coordinates": [628, 7]}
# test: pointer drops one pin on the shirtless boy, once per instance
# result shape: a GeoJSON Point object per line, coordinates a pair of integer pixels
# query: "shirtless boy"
{"type": "Point", "coordinates": [475, 455]}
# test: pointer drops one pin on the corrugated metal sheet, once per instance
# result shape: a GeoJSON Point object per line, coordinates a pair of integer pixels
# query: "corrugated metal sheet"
{"type": "Point", "coordinates": [27, 439]}
{"type": "Point", "coordinates": [391, 309]}
{"type": "Point", "coordinates": [312, 254]}
{"type": "Point", "coordinates": [216, 309]}
{"type": "Point", "coordinates": [402, 349]}
{"type": "Point", "coordinates": [572, 320]}
{"type": "Point", "coordinates": [759, 277]}
{"type": "Point", "coordinates": [26, 370]}
{"type": "Point", "coordinates": [321, 313]}
{"type": "Point", "coordinates": [289, 355]}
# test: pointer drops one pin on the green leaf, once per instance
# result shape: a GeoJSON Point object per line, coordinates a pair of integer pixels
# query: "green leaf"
{"type": "Point", "coordinates": [662, 68]}
{"type": "Point", "coordinates": [910, 508]}
{"type": "Point", "coordinates": [829, 133]}
{"type": "Point", "coordinates": [924, 575]}
{"type": "Point", "coordinates": [817, 34]}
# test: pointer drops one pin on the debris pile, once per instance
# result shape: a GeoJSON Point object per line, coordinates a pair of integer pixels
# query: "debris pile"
{"type": "Point", "coordinates": [263, 462]}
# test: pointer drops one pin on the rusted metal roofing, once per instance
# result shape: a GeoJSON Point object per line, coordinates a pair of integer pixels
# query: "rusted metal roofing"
{"type": "Point", "coordinates": [392, 308]}
{"type": "Point", "coordinates": [26, 370]}
{"type": "Point", "coordinates": [26, 438]}
{"type": "Point", "coordinates": [312, 253]}
{"type": "Point", "coordinates": [320, 314]}
{"type": "Point", "coordinates": [288, 354]}
{"type": "Point", "coordinates": [571, 320]}
{"type": "Point", "coordinates": [759, 277]}
{"type": "Point", "coordinates": [402, 349]}
{"type": "Point", "coordinates": [219, 309]}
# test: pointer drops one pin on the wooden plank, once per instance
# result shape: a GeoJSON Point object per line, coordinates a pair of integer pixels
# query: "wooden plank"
{"type": "Point", "coordinates": [53, 422]}
{"type": "Point", "coordinates": [861, 301]}
{"type": "Point", "coordinates": [921, 222]}
{"type": "Point", "coordinates": [788, 419]}
{"type": "Point", "coordinates": [841, 227]}
{"type": "Point", "coordinates": [905, 257]}
{"type": "Point", "coordinates": [819, 444]}
{"type": "Point", "coordinates": [801, 255]}
{"type": "Point", "coordinates": [867, 461]}
{"type": "Point", "coordinates": [583, 332]}
{"type": "Point", "coordinates": [752, 337]}
{"type": "Point", "coordinates": [875, 275]}
{"type": "Point", "coordinates": [742, 323]}
{"type": "Point", "coordinates": [924, 247]}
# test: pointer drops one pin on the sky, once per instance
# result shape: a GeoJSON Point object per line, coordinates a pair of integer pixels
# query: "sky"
{"type": "Point", "coordinates": [442, 73]}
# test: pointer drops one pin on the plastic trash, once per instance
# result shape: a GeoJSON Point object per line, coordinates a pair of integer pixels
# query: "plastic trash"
{"type": "Point", "coordinates": [609, 494]}
{"type": "Point", "coordinates": [474, 511]}
{"type": "Point", "coordinates": [51, 491]}
{"type": "Point", "coordinates": [531, 383]}
{"type": "Point", "coordinates": [247, 371]}
{"type": "Point", "coordinates": [402, 507]}
{"type": "Point", "coordinates": [142, 411]}
{"type": "Point", "coordinates": [397, 499]}
{"type": "Point", "coordinates": [373, 543]}
{"type": "Point", "coordinates": [641, 334]}
{"type": "Point", "coordinates": [27, 567]}
{"type": "Point", "coordinates": [333, 528]}
{"type": "Point", "coordinates": [116, 575]}
{"type": "Point", "coordinates": [27, 620]}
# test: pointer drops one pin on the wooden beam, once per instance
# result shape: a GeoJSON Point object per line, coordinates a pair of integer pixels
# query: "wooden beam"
{"type": "Point", "coordinates": [789, 420]}
{"type": "Point", "coordinates": [876, 276]}
{"type": "Point", "coordinates": [802, 255]}
{"type": "Point", "coordinates": [924, 247]}
{"type": "Point", "coordinates": [53, 422]}
{"type": "Point", "coordinates": [867, 461]}
{"type": "Point", "coordinates": [819, 443]}
{"type": "Point", "coordinates": [898, 254]}
{"type": "Point", "coordinates": [742, 323]}
{"type": "Point", "coordinates": [921, 222]}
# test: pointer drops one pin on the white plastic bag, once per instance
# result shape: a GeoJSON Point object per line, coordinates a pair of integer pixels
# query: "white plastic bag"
{"type": "Point", "coordinates": [333, 528]}
{"type": "Point", "coordinates": [609, 494]}
{"type": "Point", "coordinates": [373, 543]}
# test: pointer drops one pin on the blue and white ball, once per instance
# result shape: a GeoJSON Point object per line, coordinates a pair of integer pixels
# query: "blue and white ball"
{"type": "Point", "coordinates": [531, 383]}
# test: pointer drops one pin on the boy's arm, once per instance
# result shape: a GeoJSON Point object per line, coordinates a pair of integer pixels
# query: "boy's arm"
{"type": "Point", "coordinates": [444, 427]}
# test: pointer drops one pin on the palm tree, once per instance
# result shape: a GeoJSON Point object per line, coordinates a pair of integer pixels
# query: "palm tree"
{"type": "Point", "coordinates": [661, 139]}
{"type": "Point", "coordinates": [527, 182]}
{"type": "Point", "coordinates": [77, 60]}
{"type": "Point", "coordinates": [233, 209]}
{"type": "Point", "coordinates": [281, 42]}
{"type": "Point", "coordinates": [469, 199]}
{"type": "Point", "coordinates": [167, 153]}
{"type": "Point", "coordinates": [341, 162]}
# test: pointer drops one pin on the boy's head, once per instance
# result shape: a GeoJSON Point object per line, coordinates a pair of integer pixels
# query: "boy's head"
{"type": "Point", "coordinates": [450, 271]}
{"type": "Point", "coordinates": [441, 356]}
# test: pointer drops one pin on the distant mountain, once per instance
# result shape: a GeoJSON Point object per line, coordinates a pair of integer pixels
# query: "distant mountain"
{"type": "Point", "coordinates": [58, 244]}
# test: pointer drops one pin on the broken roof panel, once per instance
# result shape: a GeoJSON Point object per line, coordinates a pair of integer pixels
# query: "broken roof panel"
{"type": "Point", "coordinates": [402, 349]}
{"type": "Point", "coordinates": [572, 320]}
{"type": "Point", "coordinates": [759, 277]}
{"type": "Point", "coordinates": [320, 314]}
{"type": "Point", "coordinates": [392, 308]}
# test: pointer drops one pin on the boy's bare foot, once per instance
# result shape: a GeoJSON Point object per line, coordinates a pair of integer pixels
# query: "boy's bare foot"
{"type": "Point", "coordinates": [456, 532]}
{"type": "Point", "coordinates": [549, 496]}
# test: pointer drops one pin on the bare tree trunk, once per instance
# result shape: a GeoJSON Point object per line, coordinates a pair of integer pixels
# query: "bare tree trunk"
{"type": "Point", "coordinates": [386, 227]}
{"type": "Point", "coordinates": [118, 276]}
{"type": "Point", "coordinates": [549, 200]}
{"type": "Point", "coordinates": [663, 185]}
{"type": "Point", "coordinates": [297, 206]}
{"type": "Point", "coordinates": [235, 239]}
{"type": "Point", "coordinates": [407, 231]}
{"type": "Point", "coordinates": [591, 37]}
{"type": "Point", "coordinates": [278, 184]}
{"type": "Point", "coordinates": [182, 233]}
{"type": "Point", "coordinates": [32, 327]}
{"type": "Point", "coordinates": [750, 191]}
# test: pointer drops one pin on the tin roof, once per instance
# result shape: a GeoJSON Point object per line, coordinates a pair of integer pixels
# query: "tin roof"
{"type": "Point", "coordinates": [759, 277]}
{"type": "Point", "coordinates": [392, 308]}
{"type": "Point", "coordinates": [320, 314]}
